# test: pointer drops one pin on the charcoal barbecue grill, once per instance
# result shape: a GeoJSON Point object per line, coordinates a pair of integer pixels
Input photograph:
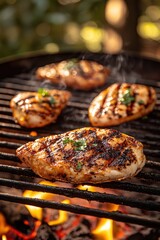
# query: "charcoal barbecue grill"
{"type": "Point", "coordinates": [19, 75]}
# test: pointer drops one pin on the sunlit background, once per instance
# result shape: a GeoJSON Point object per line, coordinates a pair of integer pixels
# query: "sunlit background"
{"type": "Point", "coordinates": [79, 25]}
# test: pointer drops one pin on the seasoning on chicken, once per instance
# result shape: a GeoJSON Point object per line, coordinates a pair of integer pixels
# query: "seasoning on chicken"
{"type": "Point", "coordinates": [86, 155]}
{"type": "Point", "coordinates": [120, 103]}
{"type": "Point", "coordinates": [37, 109]}
{"type": "Point", "coordinates": [77, 74]}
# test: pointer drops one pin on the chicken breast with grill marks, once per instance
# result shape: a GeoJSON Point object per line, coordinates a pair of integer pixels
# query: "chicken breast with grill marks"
{"type": "Point", "coordinates": [120, 103]}
{"type": "Point", "coordinates": [37, 109]}
{"type": "Point", "coordinates": [86, 155]}
{"type": "Point", "coordinates": [77, 74]}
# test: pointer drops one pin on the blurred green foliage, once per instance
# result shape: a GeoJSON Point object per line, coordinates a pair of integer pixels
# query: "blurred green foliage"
{"type": "Point", "coordinates": [76, 25]}
{"type": "Point", "coordinates": [30, 25]}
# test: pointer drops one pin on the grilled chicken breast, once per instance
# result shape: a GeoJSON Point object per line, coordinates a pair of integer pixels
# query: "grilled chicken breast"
{"type": "Point", "coordinates": [86, 155]}
{"type": "Point", "coordinates": [82, 74]}
{"type": "Point", "coordinates": [120, 103]}
{"type": "Point", "coordinates": [37, 109]}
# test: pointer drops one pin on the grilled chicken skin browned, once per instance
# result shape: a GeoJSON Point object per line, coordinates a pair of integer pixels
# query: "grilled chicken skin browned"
{"type": "Point", "coordinates": [120, 103]}
{"type": "Point", "coordinates": [86, 155]}
{"type": "Point", "coordinates": [76, 74]}
{"type": "Point", "coordinates": [37, 109]}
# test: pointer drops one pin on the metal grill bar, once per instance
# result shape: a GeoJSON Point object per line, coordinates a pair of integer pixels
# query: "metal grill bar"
{"type": "Point", "coordinates": [151, 164]}
{"type": "Point", "coordinates": [117, 216]}
{"type": "Point", "coordinates": [18, 87]}
{"type": "Point", "coordinates": [16, 136]}
{"type": "Point", "coordinates": [101, 197]}
{"type": "Point", "coordinates": [17, 170]}
{"type": "Point", "coordinates": [4, 117]}
{"type": "Point", "coordinates": [10, 144]}
{"type": "Point", "coordinates": [10, 126]}
{"type": "Point", "coordinates": [150, 175]}
{"type": "Point", "coordinates": [9, 156]}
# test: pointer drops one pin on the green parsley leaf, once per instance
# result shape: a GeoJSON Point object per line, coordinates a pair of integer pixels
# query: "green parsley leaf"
{"type": "Point", "coordinates": [127, 98]}
{"type": "Point", "coordinates": [95, 144]}
{"type": "Point", "coordinates": [67, 140]}
{"type": "Point", "coordinates": [52, 100]}
{"type": "Point", "coordinates": [70, 64]}
{"type": "Point", "coordinates": [79, 166]}
{"type": "Point", "coordinates": [43, 92]}
{"type": "Point", "coordinates": [79, 145]}
{"type": "Point", "coordinates": [141, 102]}
{"type": "Point", "coordinates": [145, 117]}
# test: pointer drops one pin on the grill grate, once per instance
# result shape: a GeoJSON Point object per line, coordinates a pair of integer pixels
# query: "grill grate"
{"type": "Point", "coordinates": [144, 187]}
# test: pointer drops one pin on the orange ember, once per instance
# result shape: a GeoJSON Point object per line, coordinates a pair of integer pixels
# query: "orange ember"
{"type": "Point", "coordinates": [3, 225]}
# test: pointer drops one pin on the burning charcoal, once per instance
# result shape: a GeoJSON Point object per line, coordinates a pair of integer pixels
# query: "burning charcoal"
{"type": "Point", "coordinates": [154, 234]}
{"type": "Point", "coordinates": [45, 233]}
{"type": "Point", "coordinates": [13, 236]}
{"type": "Point", "coordinates": [50, 214]}
{"type": "Point", "coordinates": [136, 236]}
{"type": "Point", "coordinates": [82, 231]}
{"type": "Point", "coordinates": [18, 217]}
{"type": "Point", "coordinates": [76, 227]}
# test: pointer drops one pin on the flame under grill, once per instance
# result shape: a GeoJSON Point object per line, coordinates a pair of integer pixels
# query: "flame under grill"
{"type": "Point", "coordinates": [18, 75]}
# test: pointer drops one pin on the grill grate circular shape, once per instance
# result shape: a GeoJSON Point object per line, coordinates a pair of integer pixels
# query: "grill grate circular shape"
{"type": "Point", "coordinates": [141, 192]}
